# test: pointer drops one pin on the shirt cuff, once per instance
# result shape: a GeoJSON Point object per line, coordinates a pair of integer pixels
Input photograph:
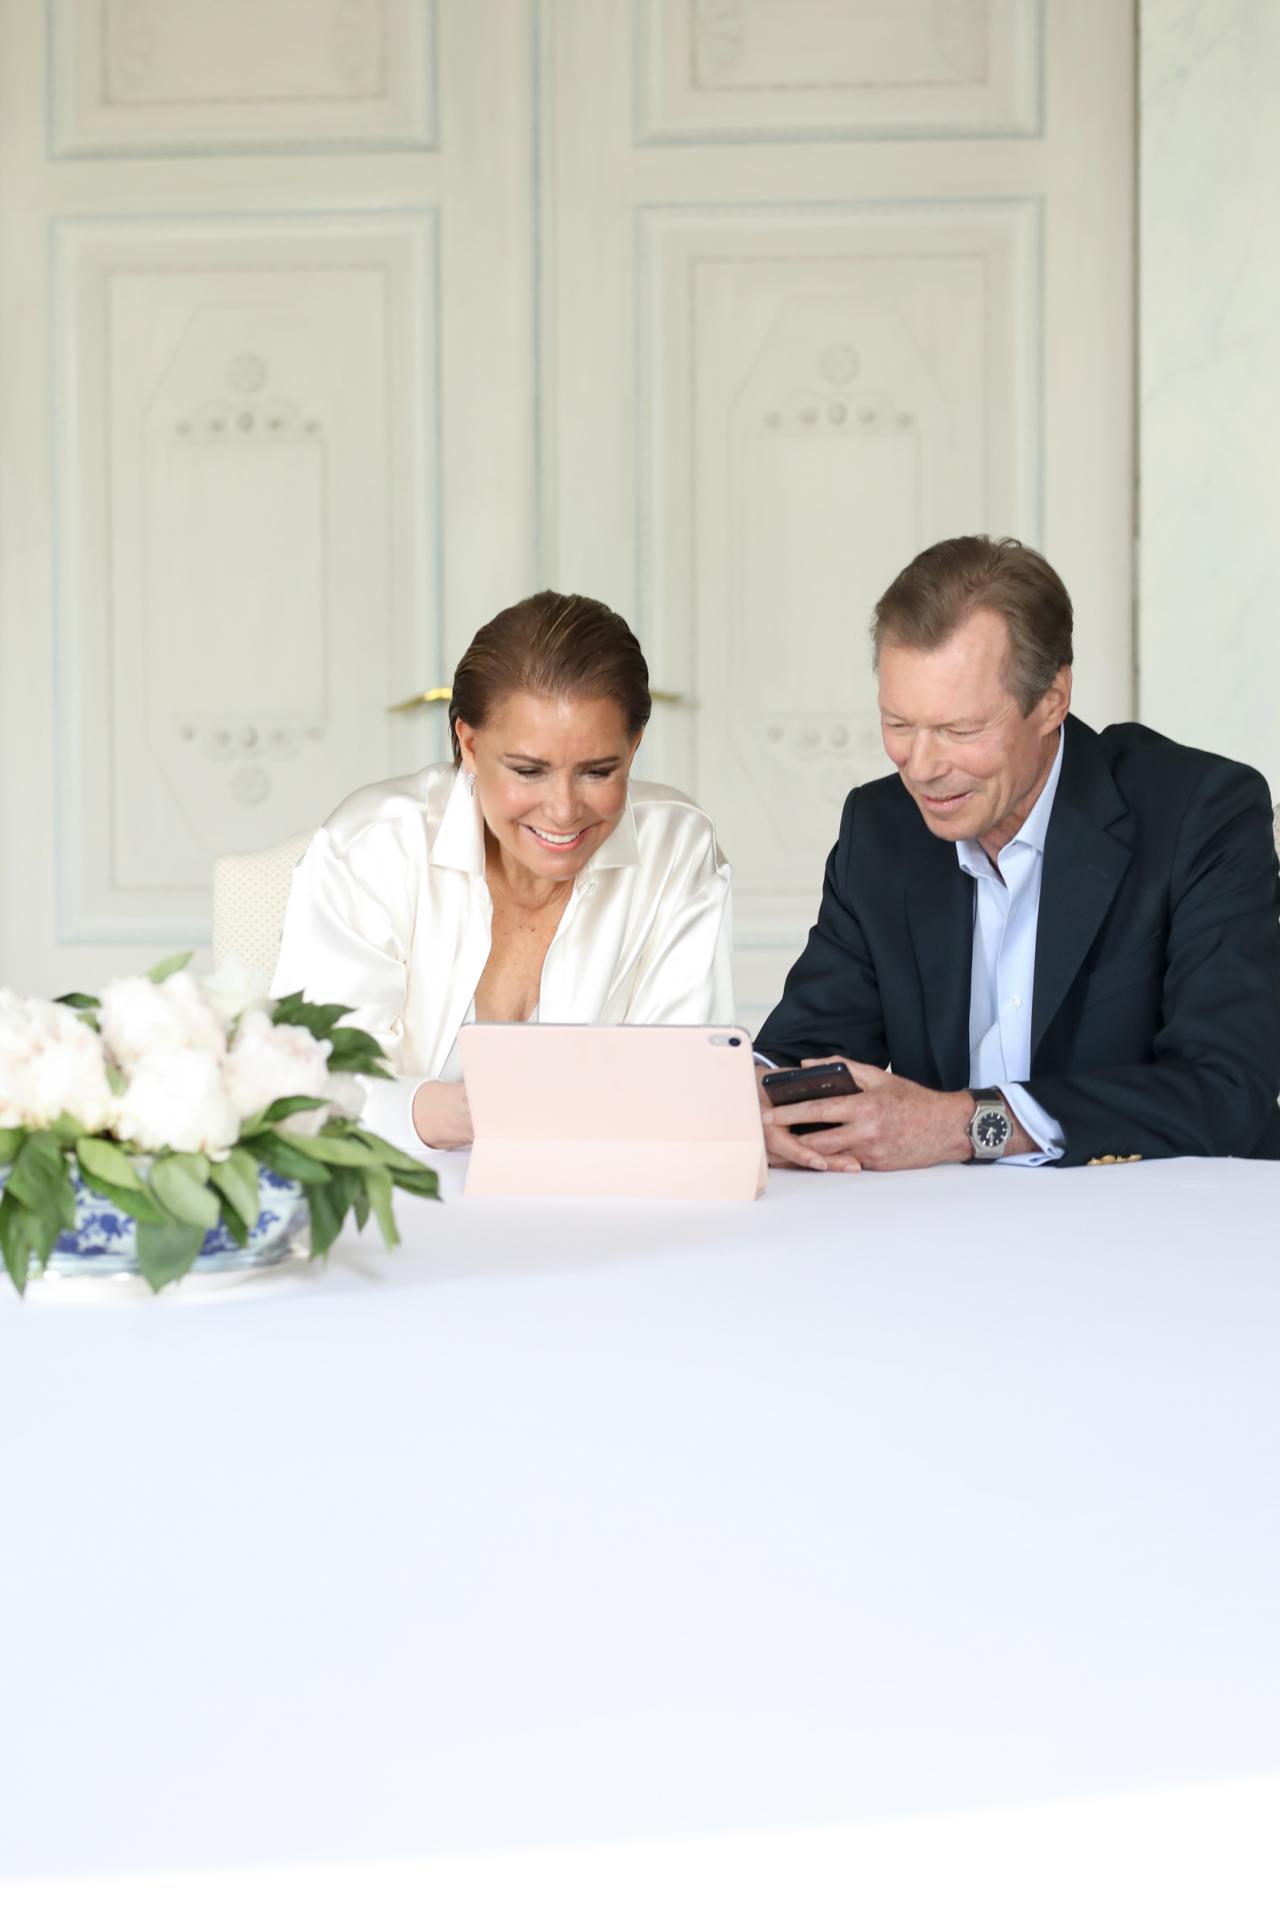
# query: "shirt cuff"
{"type": "Point", "coordinates": [388, 1110]}
{"type": "Point", "coordinates": [1044, 1130]}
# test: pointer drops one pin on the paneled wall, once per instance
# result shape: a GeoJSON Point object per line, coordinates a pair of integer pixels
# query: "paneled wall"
{"type": "Point", "coordinates": [1210, 377]}
{"type": "Point", "coordinates": [328, 327]}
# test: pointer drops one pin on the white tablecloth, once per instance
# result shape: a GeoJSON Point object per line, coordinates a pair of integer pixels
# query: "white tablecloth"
{"type": "Point", "coordinates": [892, 1523]}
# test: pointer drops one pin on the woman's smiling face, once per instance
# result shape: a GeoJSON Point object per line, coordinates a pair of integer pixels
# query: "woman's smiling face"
{"type": "Point", "coordinates": [551, 777]}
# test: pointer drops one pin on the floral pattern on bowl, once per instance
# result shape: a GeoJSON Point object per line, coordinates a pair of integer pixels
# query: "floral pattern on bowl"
{"type": "Point", "coordinates": [104, 1238]}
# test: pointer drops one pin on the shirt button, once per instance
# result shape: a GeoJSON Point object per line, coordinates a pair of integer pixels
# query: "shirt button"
{"type": "Point", "coordinates": [1016, 1001]}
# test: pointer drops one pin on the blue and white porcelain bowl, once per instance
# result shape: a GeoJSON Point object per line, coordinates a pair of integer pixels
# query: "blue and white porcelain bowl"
{"type": "Point", "coordinates": [104, 1242]}
{"type": "Point", "coordinates": [104, 1237]}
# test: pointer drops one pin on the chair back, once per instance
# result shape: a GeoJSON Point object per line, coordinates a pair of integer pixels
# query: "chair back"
{"type": "Point", "coordinates": [250, 894]}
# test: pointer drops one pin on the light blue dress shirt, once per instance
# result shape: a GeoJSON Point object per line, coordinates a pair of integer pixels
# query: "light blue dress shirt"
{"type": "Point", "coordinates": [1007, 910]}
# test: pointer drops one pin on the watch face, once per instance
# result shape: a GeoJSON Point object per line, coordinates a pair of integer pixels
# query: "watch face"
{"type": "Point", "coordinates": [991, 1130]}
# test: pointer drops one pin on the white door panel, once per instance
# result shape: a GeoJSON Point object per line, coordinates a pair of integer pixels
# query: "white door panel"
{"type": "Point", "coordinates": [836, 68]}
{"type": "Point", "coordinates": [265, 277]}
{"type": "Point", "coordinates": [196, 76]}
{"type": "Point", "coordinates": [226, 596]}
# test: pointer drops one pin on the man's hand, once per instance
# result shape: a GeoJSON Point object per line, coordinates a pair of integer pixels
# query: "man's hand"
{"type": "Point", "coordinates": [890, 1123]}
{"type": "Point", "coordinates": [783, 1149]}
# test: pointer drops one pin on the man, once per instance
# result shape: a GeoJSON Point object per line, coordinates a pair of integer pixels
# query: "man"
{"type": "Point", "coordinates": [1066, 945]}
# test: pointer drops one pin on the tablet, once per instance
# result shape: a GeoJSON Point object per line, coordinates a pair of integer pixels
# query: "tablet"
{"type": "Point", "coordinates": [663, 1113]}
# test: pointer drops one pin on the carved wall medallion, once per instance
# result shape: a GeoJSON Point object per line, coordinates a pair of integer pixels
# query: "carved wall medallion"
{"type": "Point", "coordinates": [250, 785]}
{"type": "Point", "coordinates": [132, 38]}
{"type": "Point", "coordinates": [717, 40]}
{"type": "Point", "coordinates": [359, 41]}
{"type": "Point", "coordinates": [961, 32]}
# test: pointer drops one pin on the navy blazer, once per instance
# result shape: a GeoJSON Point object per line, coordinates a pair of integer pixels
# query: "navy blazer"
{"type": "Point", "coordinates": [1155, 1025]}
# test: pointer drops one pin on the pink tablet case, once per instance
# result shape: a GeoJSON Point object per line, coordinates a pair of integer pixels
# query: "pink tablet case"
{"type": "Point", "coordinates": [666, 1113]}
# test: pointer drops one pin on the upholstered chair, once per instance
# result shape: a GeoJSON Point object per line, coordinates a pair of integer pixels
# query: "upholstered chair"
{"type": "Point", "coordinates": [250, 894]}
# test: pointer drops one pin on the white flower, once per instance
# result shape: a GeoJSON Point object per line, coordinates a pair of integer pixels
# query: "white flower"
{"type": "Point", "coordinates": [140, 1018]}
{"type": "Point", "coordinates": [269, 1063]}
{"type": "Point", "coordinates": [50, 1063]}
{"type": "Point", "coordinates": [15, 1052]}
{"type": "Point", "coordinates": [177, 1100]}
{"type": "Point", "coordinates": [346, 1095]}
{"type": "Point", "coordinates": [235, 989]}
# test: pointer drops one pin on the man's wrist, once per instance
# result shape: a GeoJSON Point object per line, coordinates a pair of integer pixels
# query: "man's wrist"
{"type": "Point", "coordinates": [966, 1107]}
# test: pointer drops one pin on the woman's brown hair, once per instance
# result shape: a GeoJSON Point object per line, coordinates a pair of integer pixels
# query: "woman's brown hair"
{"type": "Point", "coordinates": [557, 644]}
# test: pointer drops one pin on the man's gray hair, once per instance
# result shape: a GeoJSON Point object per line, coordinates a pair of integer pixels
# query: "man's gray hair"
{"type": "Point", "coordinates": [938, 591]}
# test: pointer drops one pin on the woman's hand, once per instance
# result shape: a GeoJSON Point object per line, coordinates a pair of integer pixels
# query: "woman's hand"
{"type": "Point", "coordinates": [441, 1115]}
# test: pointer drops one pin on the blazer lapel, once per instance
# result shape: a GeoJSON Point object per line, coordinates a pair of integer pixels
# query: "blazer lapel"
{"type": "Point", "coordinates": [939, 897]}
{"type": "Point", "coordinates": [1084, 864]}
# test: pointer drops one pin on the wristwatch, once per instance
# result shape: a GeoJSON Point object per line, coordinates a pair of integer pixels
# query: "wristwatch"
{"type": "Point", "coordinates": [991, 1128]}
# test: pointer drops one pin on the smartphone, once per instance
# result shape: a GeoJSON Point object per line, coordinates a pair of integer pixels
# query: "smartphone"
{"type": "Point", "coordinates": [787, 1085]}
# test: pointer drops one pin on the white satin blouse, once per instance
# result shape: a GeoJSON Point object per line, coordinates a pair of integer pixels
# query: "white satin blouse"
{"type": "Point", "coordinates": [389, 913]}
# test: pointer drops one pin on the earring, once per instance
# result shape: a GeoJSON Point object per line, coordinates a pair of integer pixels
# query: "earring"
{"type": "Point", "coordinates": [471, 785]}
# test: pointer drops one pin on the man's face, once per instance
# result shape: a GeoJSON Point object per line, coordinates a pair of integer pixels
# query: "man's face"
{"type": "Point", "coordinates": [972, 761]}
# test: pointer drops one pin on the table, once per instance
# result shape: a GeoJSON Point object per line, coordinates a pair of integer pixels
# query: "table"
{"type": "Point", "coordinates": [896, 1537]}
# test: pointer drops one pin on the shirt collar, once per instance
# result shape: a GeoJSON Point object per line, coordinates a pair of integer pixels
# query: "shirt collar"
{"type": "Point", "coordinates": [973, 856]}
{"type": "Point", "coordinates": [459, 841]}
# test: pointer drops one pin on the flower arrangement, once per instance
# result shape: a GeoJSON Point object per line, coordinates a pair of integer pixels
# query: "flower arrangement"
{"type": "Point", "coordinates": [167, 1097]}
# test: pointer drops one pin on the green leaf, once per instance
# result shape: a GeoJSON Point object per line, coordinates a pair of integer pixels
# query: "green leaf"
{"type": "Point", "coordinates": [285, 1160]}
{"type": "Point", "coordinates": [294, 1011]}
{"type": "Point", "coordinates": [236, 1179]}
{"type": "Point", "coordinates": [352, 1040]}
{"type": "Point", "coordinates": [82, 1002]}
{"type": "Point", "coordinates": [372, 1070]}
{"type": "Point", "coordinates": [185, 1197]}
{"type": "Point", "coordinates": [344, 1184]}
{"type": "Point", "coordinates": [326, 1220]}
{"type": "Point", "coordinates": [11, 1138]}
{"type": "Point", "coordinates": [108, 1161]}
{"type": "Point", "coordinates": [40, 1179]}
{"type": "Point", "coordinates": [139, 1206]}
{"type": "Point", "coordinates": [67, 1128]}
{"type": "Point", "coordinates": [196, 1164]}
{"type": "Point", "coordinates": [386, 1155]}
{"type": "Point", "coordinates": [15, 1240]}
{"type": "Point", "coordinates": [117, 1078]}
{"type": "Point", "coordinates": [233, 1223]}
{"type": "Point", "coordinates": [166, 1251]}
{"type": "Point", "coordinates": [377, 1183]}
{"type": "Point", "coordinates": [352, 1052]}
{"type": "Point", "coordinates": [292, 1103]}
{"type": "Point", "coordinates": [163, 968]}
{"type": "Point", "coordinates": [43, 1234]}
{"type": "Point", "coordinates": [360, 1207]}
{"type": "Point", "coordinates": [424, 1183]}
{"type": "Point", "coordinates": [332, 1148]}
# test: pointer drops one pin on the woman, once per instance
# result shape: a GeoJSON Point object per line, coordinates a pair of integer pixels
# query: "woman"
{"type": "Point", "coordinates": [529, 881]}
